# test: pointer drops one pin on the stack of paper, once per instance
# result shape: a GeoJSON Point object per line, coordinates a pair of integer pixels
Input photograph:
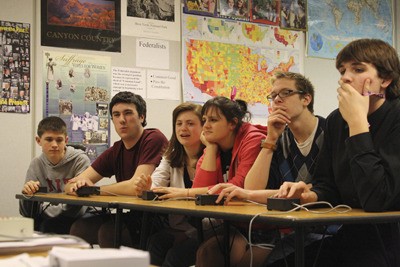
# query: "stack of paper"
{"type": "Point", "coordinates": [24, 260]}
{"type": "Point", "coordinates": [39, 243]}
{"type": "Point", "coordinates": [74, 257]}
{"type": "Point", "coordinates": [15, 228]}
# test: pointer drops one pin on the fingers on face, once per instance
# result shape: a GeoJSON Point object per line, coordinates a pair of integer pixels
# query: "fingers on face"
{"type": "Point", "coordinates": [280, 117]}
{"type": "Point", "coordinates": [279, 113]}
{"type": "Point", "coordinates": [367, 88]}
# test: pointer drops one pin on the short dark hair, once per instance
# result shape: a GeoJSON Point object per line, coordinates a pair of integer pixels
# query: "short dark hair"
{"type": "Point", "coordinates": [229, 108]}
{"type": "Point", "coordinates": [52, 123]}
{"type": "Point", "coordinates": [378, 53]}
{"type": "Point", "coordinates": [175, 152]}
{"type": "Point", "coordinates": [302, 84]}
{"type": "Point", "coordinates": [131, 98]}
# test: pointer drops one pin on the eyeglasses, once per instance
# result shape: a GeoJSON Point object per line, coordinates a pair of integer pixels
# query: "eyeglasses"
{"type": "Point", "coordinates": [283, 94]}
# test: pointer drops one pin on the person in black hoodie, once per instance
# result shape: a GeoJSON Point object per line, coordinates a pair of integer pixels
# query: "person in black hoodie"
{"type": "Point", "coordinates": [359, 164]}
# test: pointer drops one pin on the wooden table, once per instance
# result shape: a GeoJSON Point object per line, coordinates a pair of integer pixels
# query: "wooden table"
{"type": "Point", "coordinates": [298, 220]}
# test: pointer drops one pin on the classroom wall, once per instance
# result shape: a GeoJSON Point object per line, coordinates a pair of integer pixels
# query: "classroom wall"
{"type": "Point", "coordinates": [17, 130]}
{"type": "Point", "coordinates": [16, 141]}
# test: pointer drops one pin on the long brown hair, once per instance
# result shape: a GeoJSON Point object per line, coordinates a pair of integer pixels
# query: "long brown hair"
{"type": "Point", "coordinates": [175, 152]}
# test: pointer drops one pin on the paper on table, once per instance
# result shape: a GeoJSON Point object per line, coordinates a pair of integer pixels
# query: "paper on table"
{"type": "Point", "coordinates": [68, 257]}
{"type": "Point", "coordinates": [24, 260]}
{"type": "Point", "coordinates": [40, 243]}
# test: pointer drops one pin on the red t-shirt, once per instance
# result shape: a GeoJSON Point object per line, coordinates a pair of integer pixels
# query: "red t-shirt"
{"type": "Point", "coordinates": [122, 162]}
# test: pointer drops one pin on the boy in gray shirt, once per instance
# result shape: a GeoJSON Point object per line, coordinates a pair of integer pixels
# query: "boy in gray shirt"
{"type": "Point", "coordinates": [52, 169]}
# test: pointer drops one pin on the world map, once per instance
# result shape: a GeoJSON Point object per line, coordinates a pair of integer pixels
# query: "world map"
{"type": "Point", "coordinates": [334, 23]}
{"type": "Point", "coordinates": [222, 57]}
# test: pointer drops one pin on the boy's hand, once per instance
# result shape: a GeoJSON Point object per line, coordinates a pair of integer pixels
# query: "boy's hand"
{"type": "Point", "coordinates": [74, 183]}
{"type": "Point", "coordinates": [354, 106]}
{"type": "Point", "coordinates": [299, 190]}
{"type": "Point", "coordinates": [31, 187]}
{"type": "Point", "coordinates": [277, 122]}
{"type": "Point", "coordinates": [141, 183]}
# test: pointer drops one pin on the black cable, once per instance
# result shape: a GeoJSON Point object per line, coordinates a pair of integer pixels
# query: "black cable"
{"type": "Point", "coordinates": [221, 248]}
{"type": "Point", "coordinates": [320, 247]}
{"type": "Point", "coordinates": [382, 244]}
{"type": "Point", "coordinates": [216, 236]}
{"type": "Point", "coordinates": [282, 247]}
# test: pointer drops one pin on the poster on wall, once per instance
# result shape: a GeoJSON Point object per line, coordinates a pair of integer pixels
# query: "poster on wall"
{"type": "Point", "coordinates": [159, 19]}
{"type": "Point", "coordinates": [234, 9]}
{"type": "Point", "coordinates": [333, 24]}
{"type": "Point", "coordinates": [15, 67]}
{"type": "Point", "coordinates": [236, 59]}
{"type": "Point", "coordinates": [78, 91]}
{"type": "Point", "coordinates": [82, 24]}
{"type": "Point", "coordinates": [293, 15]}
{"type": "Point", "coordinates": [266, 12]}
{"type": "Point", "coordinates": [201, 7]}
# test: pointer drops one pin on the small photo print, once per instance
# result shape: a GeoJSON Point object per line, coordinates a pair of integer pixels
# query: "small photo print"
{"type": "Point", "coordinates": [201, 7]}
{"type": "Point", "coordinates": [265, 11]}
{"type": "Point", "coordinates": [234, 9]}
{"type": "Point", "coordinates": [65, 107]}
{"type": "Point", "coordinates": [156, 10]}
{"type": "Point", "coordinates": [103, 123]}
{"type": "Point", "coordinates": [293, 15]}
{"type": "Point", "coordinates": [94, 93]}
{"type": "Point", "coordinates": [102, 109]}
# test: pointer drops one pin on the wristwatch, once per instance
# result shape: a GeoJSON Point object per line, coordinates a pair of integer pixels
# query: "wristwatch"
{"type": "Point", "coordinates": [266, 145]}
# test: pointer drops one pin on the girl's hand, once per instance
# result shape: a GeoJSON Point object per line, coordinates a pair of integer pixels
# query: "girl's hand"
{"type": "Point", "coordinates": [229, 191]}
{"type": "Point", "coordinates": [171, 192]}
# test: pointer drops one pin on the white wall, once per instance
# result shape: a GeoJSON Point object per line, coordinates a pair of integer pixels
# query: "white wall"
{"type": "Point", "coordinates": [17, 144]}
{"type": "Point", "coordinates": [324, 76]}
{"type": "Point", "coordinates": [16, 141]}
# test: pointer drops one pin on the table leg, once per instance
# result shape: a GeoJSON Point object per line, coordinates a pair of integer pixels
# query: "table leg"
{"type": "Point", "coordinates": [144, 233]}
{"type": "Point", "coordinates": [34, 209]}
{"type": "Point", "coordinates": [199, 227]}
{"type": "Point", "coordinates": [227, 252]}
{"type": "Point", "coordinates": [118, 228]}
{"type": "Point", "coordinates": [299, 246]}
